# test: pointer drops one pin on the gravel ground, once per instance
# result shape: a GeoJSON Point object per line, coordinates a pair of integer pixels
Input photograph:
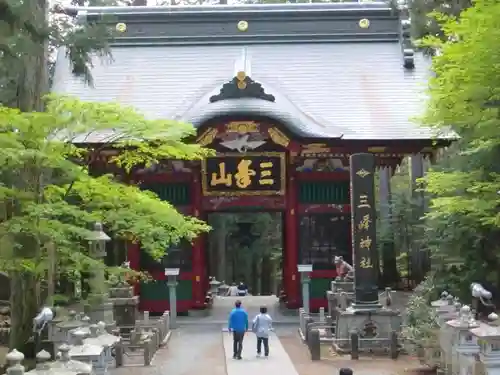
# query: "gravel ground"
{"type": "Point", "coordinates": [331, 363]}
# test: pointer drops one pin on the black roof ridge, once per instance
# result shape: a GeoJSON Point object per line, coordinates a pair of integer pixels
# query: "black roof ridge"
{"type": "Point", "coordinates": [283, 110]}
{"type": "Point", "coordinates": [350, 7]}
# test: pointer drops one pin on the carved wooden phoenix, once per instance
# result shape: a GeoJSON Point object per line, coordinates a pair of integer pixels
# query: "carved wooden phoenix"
{"type": "Point", "coordinates": [242, 144]}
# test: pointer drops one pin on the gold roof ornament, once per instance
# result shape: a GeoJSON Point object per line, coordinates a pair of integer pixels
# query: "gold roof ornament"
{"type": "Point", "coordinates": [364, 23]}
{"type": "Point", "coordinates": [242, 26]}
{"type": "Point", "coordinates": [121, 27]}
{"type": "Point", "coordinates": [241, 77]}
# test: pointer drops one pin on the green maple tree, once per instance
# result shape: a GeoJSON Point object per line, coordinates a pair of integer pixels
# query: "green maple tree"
{"type": "Point", "coordinates": [48, 200]}
{"type": "Point", "coordinates": [462, 226]}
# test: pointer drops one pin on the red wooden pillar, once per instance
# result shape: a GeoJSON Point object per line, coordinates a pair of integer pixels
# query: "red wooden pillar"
{"type": "Point", "coordinates": [134, 256]}
{"type": "Point", "coordinates": [199, 268]}
{"type": "Point", "coordinates": [291, 242]}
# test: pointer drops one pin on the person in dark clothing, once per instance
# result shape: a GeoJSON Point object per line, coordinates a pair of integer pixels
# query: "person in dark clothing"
{"type": "Point", "coordinates": [238, 325]}
{"type": "Point", "coordinates": [242, 289]}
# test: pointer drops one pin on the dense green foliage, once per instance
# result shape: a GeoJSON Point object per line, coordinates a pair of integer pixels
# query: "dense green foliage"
{"type": "Point", "coordinates": [462, 225]}
{"type": "Point", "coordinates": [48, 201]}
{"type": "Point", "coordinates": [423, 23]}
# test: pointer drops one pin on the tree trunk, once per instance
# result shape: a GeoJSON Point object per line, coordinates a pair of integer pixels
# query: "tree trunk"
{"type": "Point", "coordinates": [24, 308]}
{"type": "Point", "coordinates": [32, 86]}
{"type": "Point", "coordinates": [51, 274]}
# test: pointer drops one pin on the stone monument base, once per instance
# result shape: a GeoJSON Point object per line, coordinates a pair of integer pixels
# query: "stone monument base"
{"type": "Point", "coordinates": [102, 312]}
{"type": "Point", "coordinates": [373, 324]}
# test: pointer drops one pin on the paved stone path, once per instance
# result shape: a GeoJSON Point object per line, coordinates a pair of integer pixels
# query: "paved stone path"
{"type": "Point", "coordinates": [278, 362]}
{"type": "Point", "coordinates": [192, 350]}
{"type": "Point", "coordinates": [223, 305]}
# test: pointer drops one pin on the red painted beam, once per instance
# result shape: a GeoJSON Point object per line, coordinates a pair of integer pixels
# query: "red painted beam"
{"type": "Point", "coordinates": [199, 261]}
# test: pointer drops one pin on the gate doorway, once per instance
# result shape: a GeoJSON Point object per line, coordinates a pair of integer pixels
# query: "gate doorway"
{"type": "Point", "coordinates": [246, 247]}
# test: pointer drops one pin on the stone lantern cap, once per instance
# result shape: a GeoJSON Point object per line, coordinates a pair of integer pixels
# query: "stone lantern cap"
{"type": "Point", "coordinates": [486, 332]}
{"type": "Point", "coordinates": [214, 282]}
{"type": "Point", "coordinates": [82, 349]}
{"type": "Point", "coordinates": [99, 336]}
{"type": "Point", "coordinates": [66, 363]}
{"type": "Point", "coordinates": [465, 319]}
{"type": "Point", "coordinates": [71, 323]}
{"type": "Point", "coordinates": [14, 356]}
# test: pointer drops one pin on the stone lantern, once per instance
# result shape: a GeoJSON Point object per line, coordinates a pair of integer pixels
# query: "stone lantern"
{"type": "Point", "coordinates": [100, 308]}
{"type": "Point", "coordinates": [488, 339]}
{"type": "Point", "coordinates": [460, 346]}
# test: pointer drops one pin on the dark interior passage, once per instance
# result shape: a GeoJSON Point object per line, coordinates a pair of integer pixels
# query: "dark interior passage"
{"type": "Point", "coordinates": [246, 247]}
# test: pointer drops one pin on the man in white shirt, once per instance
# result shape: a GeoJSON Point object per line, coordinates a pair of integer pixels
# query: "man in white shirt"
{"type": "Point", "coordinates": [233, 290]}
{"type": "Point", "coordinates": [261, 326]}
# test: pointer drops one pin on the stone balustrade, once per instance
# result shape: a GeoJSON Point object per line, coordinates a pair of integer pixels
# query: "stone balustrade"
{"type": "Point", "coordinates": [465, 345]}
{"type": "Point", "coordinates": [148, 325]}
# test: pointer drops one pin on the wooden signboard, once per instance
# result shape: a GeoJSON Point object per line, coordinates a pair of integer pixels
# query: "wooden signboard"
{"type": "Point", "coordinates": [244, 174]}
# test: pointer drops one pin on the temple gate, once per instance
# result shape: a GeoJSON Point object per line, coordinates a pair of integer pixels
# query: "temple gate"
{"type": "Point", "coordinates": [284, 94]}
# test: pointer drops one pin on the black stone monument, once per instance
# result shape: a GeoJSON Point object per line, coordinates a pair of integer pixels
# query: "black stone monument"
{"type": "Point", "coordinates": [364, 231]}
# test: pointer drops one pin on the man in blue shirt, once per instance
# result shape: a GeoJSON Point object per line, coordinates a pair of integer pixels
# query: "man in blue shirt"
{"type": "Point", "coordinates": [238, 325]}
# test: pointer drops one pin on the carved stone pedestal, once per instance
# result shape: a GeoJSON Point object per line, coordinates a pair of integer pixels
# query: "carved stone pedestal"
{"type": "Point", "coordinates": [100, 309]}
{"type": "Point", "coordinates": [125, 305]}
{"type": "Point", "coordinates": [374, 327]}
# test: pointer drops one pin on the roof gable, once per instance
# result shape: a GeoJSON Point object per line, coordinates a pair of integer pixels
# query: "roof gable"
{"type": "Point", "coordinates": [325, 70]}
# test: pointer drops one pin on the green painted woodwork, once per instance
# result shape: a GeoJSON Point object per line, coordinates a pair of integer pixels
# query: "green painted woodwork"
{"type": "Point", "coordinates": [324, 192]}
{"type": "Point", "coordinates": [178, 194]}
{"type": "Point", "coordinates": [158, 290]}
{"type": "Point", "coordinates": [319, 286]}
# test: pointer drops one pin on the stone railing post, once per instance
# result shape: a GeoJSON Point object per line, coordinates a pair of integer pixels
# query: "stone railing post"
{"type": "Point", "coordinates": [119, 352]}
{"type": "Point", "coordinates": [394, 345]}
{"type": "Point", "coordinates": [314, 344]}
{"type": "Point", "coordinates": [166, 314]}
{"type": "Point", "coordinates": [329, 326]}
{"type": "Point", "coordinates": [321, 314]}
{"type": "Point", "coordinates": [14, 358]}
{"type": "Point", "coordinates": [354, 345]}
{"type": "Point", "coordinates": [309, 324]}
{"type": "Point", "coordinates": [147, 352]}
{"type": "Point", "coordinates": [302, 322]}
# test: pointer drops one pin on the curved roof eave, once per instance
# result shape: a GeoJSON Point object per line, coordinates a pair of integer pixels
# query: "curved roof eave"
{"type": "Point", "coordinates": [281, 110]}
